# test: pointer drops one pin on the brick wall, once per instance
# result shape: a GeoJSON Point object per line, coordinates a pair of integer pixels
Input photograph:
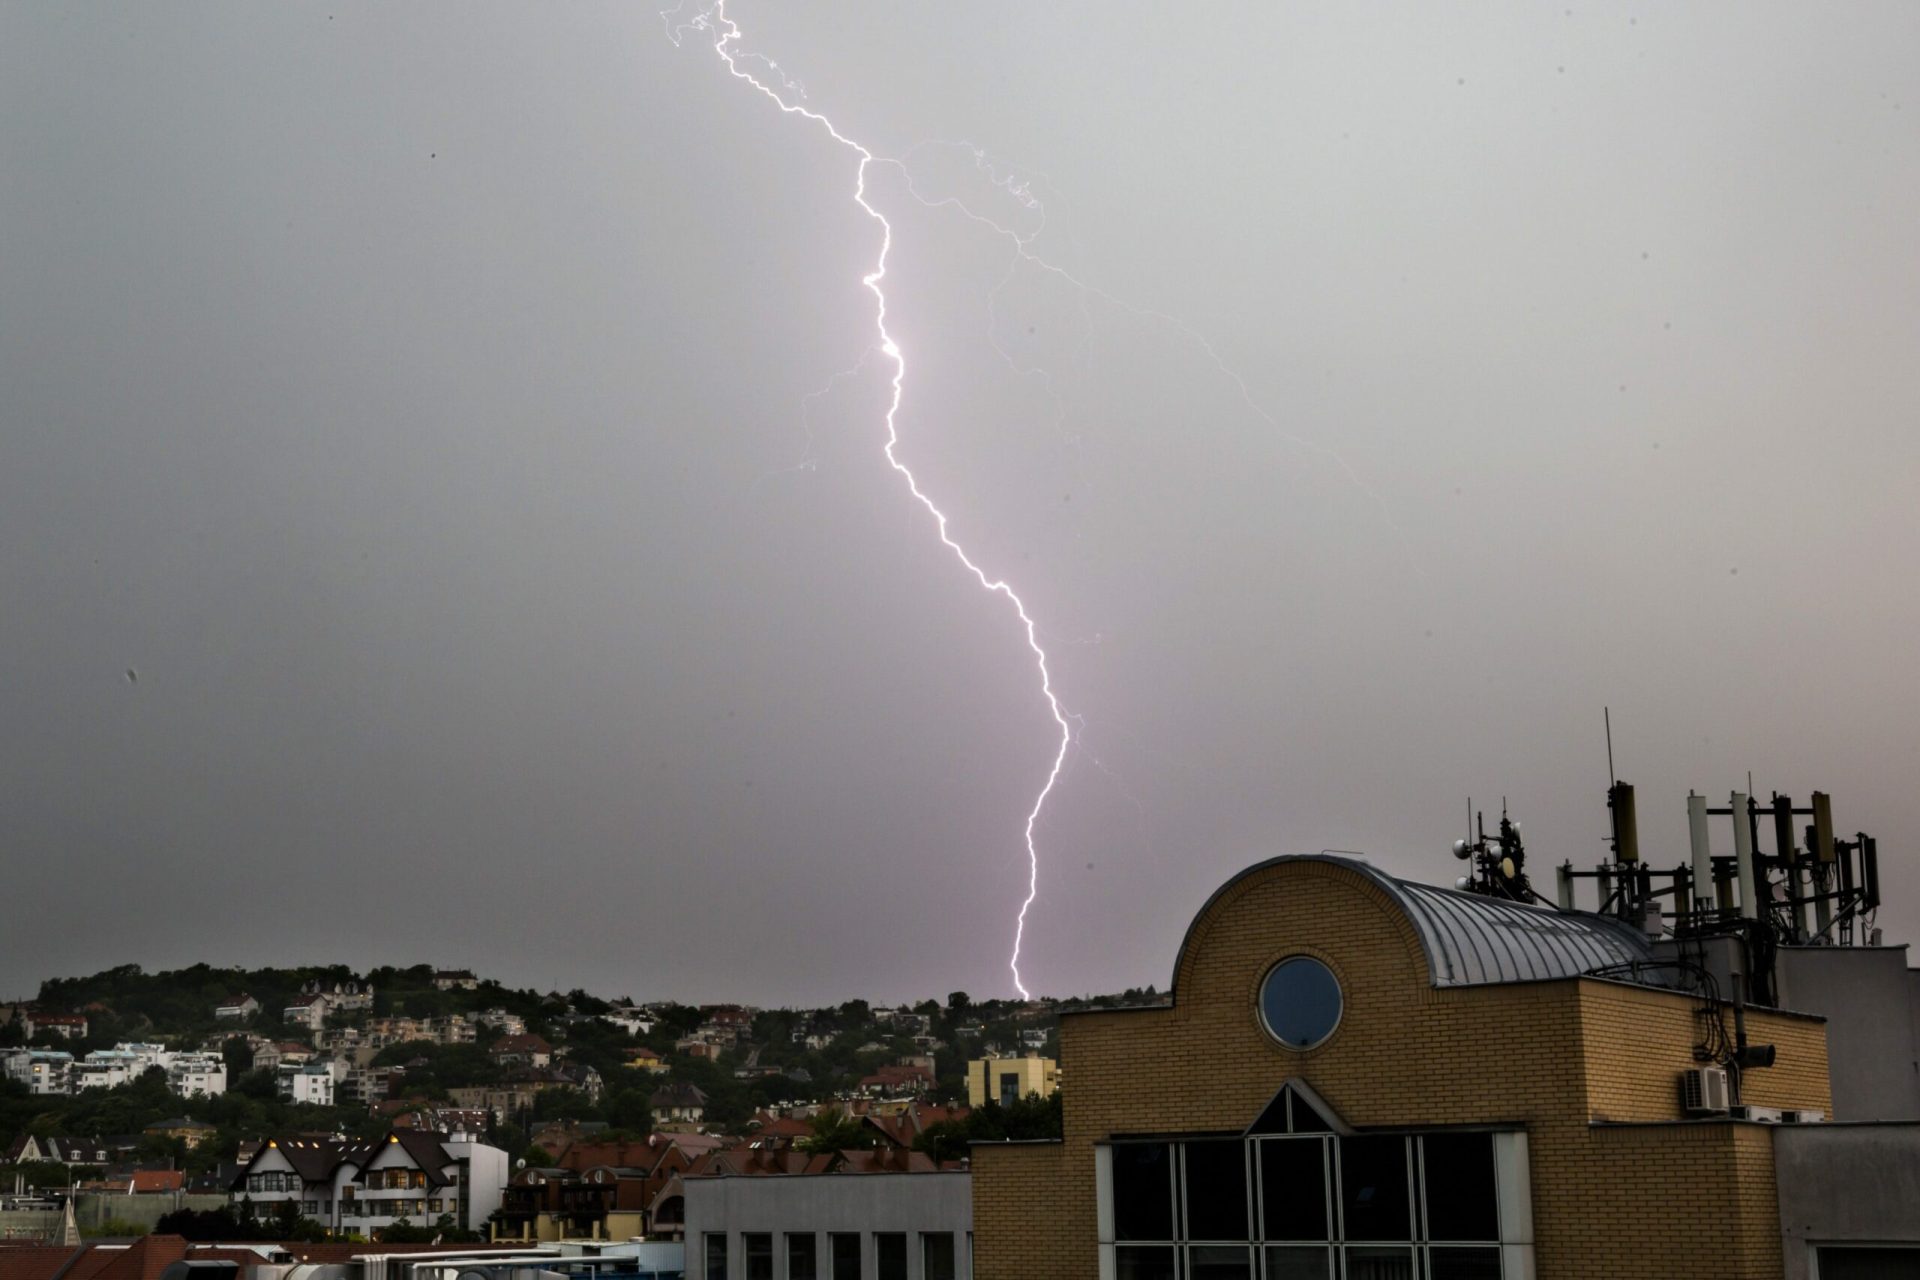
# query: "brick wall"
{"type": "Point", "coordinates": [1555, 1057]}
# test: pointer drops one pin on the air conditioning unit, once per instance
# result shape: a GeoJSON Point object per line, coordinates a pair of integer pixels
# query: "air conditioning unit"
{"type": "Point", "coordinates": [1703, 1091]}
{"type": "Point", "coordinates": [1759, 1115]}
{"type": "Point", "coordinates": [1803, 1117]}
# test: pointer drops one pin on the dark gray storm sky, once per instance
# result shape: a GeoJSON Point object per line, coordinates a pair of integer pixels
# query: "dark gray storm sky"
{"type": "Point", "coordinates": [416, 398]}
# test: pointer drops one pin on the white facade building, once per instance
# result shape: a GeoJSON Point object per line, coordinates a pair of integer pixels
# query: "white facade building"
{"type": "Point", "coordinates": [363, 1187]}
{"type": "Point", "coordinates": [41, 1070]}
{"type": "Point", "coordinates": [309, 1082]}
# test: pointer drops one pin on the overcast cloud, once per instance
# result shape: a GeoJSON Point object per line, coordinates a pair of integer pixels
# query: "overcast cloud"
{"type": "Point", "coordinates": [415, 398]}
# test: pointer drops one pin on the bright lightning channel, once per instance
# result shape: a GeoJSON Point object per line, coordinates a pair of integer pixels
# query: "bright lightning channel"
{"type": "Point", "coordinates": [726, 33]}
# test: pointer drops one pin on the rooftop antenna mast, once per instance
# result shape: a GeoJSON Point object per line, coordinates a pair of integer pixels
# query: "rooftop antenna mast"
{"type": "Point", "coordinates": [1607, 715]}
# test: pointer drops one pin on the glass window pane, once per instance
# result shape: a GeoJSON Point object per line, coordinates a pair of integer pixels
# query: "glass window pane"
{"type": "Point", "coordinates": [936, 1255]}
{"type": "Point", "coordinates": [1219, 1262]}
{"type": "Point", "coordinates": [1293, 1263]}
{"type": "Point", "coordinates": [803, 1259]}
{"type": "Point", "coordinates": [756, 1248]}
{"type": "Point", "coordinates": [1142, 1191]}
{"type": "Point", "coordinates": [1216, 1187]}
{"type": "Point", "coordinates": [890, 1255]}
{"type": "Point", "coordinates": [1293, 1188]}
{"type": "Point", "coordinates": [716, 1256]}
{"type": "Point", "coordinates": [845, 1249]}
{"type": "Point", "coordinates": [1300, 1002]}
{"type": "Point", "coordinates": [1462, 1200]}
{"type": "Point", "coordinates": [1379, 1264]}
{"type": "Point", "coordinates": [1137, 1263]}
{"type": "Point", "coordinates": [1373, 1188]}
{"type": "Point", "coordinates": [1467, 1264]}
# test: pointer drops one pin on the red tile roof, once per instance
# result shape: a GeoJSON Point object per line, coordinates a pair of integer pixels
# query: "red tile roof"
{"type": "Point", "coordinates": [145, 1180]}
{"type": "Point", "coordinates": [31, 1261]}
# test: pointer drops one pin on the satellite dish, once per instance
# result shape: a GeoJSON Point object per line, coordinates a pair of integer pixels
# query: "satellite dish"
{"type": "Point", "coordinates": [1462, 850]}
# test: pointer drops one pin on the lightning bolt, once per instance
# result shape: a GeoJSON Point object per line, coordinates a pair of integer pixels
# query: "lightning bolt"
{"type": "Point", "coordinates": [713, 21]}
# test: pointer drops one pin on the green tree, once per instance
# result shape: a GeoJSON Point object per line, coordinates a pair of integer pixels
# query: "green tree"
{"type": "Point", "coordinates": [835, 1130]}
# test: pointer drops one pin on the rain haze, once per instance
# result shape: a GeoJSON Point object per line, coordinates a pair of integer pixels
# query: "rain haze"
{"type": "Point", "coordinates": [432, 527]}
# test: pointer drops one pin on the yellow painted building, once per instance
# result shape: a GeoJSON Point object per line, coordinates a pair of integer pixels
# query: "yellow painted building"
{"type": "Point", "coordinates": [1366, 1078]}
{"type": "Point", "coordinates": [1008, 1080]}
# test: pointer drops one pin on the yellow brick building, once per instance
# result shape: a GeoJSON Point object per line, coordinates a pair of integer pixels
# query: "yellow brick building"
{"type": "Point", "coordinates": [1008, 1080]}
{"type": "Point", "coordinates": [1361, 1077]}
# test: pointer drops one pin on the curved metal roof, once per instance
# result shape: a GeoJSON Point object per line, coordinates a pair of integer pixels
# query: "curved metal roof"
{"type": "Point", "coordinates": [1472, 940]}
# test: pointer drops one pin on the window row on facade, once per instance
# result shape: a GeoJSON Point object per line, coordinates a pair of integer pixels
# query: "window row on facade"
{"type": "Point", "coordinates": [1319, 1205]}
{"type": "Point", "coordinates": [834, 1255]}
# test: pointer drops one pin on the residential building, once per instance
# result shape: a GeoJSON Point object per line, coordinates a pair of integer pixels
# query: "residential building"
{"type": "Point", "coordinates": [1403, 1080]}
{"type": "Point", "coordinates": [68, 1026]}
{"type": "Point", "coordinates": [410, 1173]}
{"type": "Point", "coordinates": [1005, 1081]}
{"type": "Point", "coordinates": [273, 1055]}
{"type": "Point", "coordinates": [522, 1051]}
{"type": "Point", "coordinates": [506, 1103]}
{"type": "Point", "coordinates": [237, 1008]}
{"type": "Point", "coordinates": [308, 1082]}
{"type": "Point", "coordinates": [343, 995]}
{"type": "Point", "coordinates": [678, 1103]}
{"type": "Point", "coordinates": [601, 1191]}
{"type": "Point", "coordinates": [67, 1151]}
{"type": "Point", "coordinates": [886, 1215]}
{"type": "Point", "coordinates": [309, 1012]}
{"type": "Point", "coordinates": [452, 1029]}
{"type": "Point", "coordinates": [507, 1024]}
{"type": "Point", "coordinates": [197, 1074]}
{"type": "Point", "coordinates": [632, 1021]}
{"type": "Point", "coordinates": [645, 1059]}
{"type": "Point", "coordinates": [41, 1070]}
{"type": "Point", "coordinates": [897, 1079]}
{"type": "Point", "coordinates": [455, 980]}
{"type": "Point", "coordinates": [109, 1069]}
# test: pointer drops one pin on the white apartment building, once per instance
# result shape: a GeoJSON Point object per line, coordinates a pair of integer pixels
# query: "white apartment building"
{"type": "Point", "coordinates": [188, 1073]}
{"type": "Point", "coordinates": [41, 1070]}
{"type": "Point", "coordinates": [310, 1082]}
{"type": "Point", "coordinates": [197, 1074]}
{"type": "Point", "coordinates": [362, 1187]}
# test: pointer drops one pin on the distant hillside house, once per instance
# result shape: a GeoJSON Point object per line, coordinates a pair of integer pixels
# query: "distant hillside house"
{"type": "Point", "coordinates": [455, 980]}
{"type": "Point", "coordinates": [69, 1026]}
{"type": "Point", "coordinates": [271, 1056]}
{"type": "Point", "coordinates": [43, 1071]}
{"type": "Point", "coordinates": [310, 1082]}
{"type": "Point", "coordinates": [240, 1008]}
{"type": "Point", "coordinates": [67, 1151]}
{"type": "Point", "coordinates": [631, 1021]}
{"type": "Point", "coordinates": [678, 1103]}
{"type": "Point", "coordinates": [522, 1051]}
{"type": "Point", "coordinates": [310, 1013]}
{"type": "Point", "coordinates": [645, 1059]}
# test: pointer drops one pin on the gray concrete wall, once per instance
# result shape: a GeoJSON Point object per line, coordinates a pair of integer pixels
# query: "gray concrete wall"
{"type": "Point", "coordinates": [1866, 994]}
{"type": "Point", "coordinates": [91, 1210]}
{"type": "Point", "coordinates": [823, 1204]}
{"type": "Point", "coordinates": [1841, 1183]}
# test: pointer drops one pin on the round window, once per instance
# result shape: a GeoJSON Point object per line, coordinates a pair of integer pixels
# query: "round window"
{"type": "Point", "coordinates": [1300, 1002]}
